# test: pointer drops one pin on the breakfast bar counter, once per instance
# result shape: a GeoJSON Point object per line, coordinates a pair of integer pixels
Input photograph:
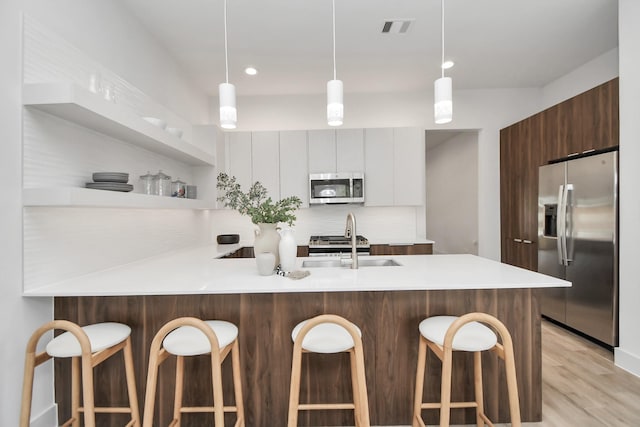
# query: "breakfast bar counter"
{"type": "Point", "coordinates": [387, 303]}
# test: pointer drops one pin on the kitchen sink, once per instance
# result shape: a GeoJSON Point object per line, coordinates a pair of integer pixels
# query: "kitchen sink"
{"type": "Point", "coordinates": [362, 262]}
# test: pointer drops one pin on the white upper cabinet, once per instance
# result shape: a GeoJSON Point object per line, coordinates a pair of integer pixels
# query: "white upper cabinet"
{"type": "Point", "coordinates": [265, 160]}
{"type": "Point", "coordinates": [379, 170]}
{"type": "Point", "coordinates": [294, 171]}
{"type": "Point", "coordinates": [409, 165]}
{"type": "Point", "coordinates": [238, 152]}
{"type": "Point", "coordinates": [350, 150]}
{"type": "Point", "coordinates": [322, 151]}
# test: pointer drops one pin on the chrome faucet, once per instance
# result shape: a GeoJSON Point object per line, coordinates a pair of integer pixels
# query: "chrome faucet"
{"type": "Point", "coordinates": [350, 232]}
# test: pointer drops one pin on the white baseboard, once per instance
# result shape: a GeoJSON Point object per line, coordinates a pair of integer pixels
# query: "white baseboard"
{"type": "Point", "coordinates": [48, 418]}
{"type": "Point", "coordinates": [627, 361]}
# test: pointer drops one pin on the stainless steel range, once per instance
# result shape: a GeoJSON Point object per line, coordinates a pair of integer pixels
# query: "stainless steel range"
{"type": "Point", "coordinates": [336, 245]}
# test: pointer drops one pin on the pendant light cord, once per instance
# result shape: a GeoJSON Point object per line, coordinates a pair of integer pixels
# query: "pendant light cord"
{"type": "Point", "coordinates": [442, 27]}
{"type": "Point", "coordinates": [333, 10]}
{"type": "Point", "coordinates": [226, 54]}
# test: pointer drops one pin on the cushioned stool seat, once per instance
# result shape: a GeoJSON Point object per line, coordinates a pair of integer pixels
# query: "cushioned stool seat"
{"type": "Point", "coordinates": [445, 334]}
{"type": "Point", "coordinates": [329, 334]}
{"type": "Point", "coordinates": [188, 336]}
{"type": "Point", "coordinates": [87, 346]}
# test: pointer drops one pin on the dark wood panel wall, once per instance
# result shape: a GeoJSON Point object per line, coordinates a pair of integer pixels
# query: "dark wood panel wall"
{"type": "Point", "coordinates": [587, 122]}
{"type": "Point", "coordinates": [389, 323]}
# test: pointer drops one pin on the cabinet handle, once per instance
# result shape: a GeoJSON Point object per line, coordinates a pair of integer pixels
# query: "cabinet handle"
{"type": "Point", "coordinates": [517, 240]}
{"type": "Point", "coordinates": [573, 154]}
{"type": "Point", "coordinates": [589, 151]}
{"type": "Point", "coordinates": [528, 242]}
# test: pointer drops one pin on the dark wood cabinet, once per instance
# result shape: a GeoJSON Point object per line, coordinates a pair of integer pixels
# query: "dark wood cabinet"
{"type": "Point", "coordinates": [247, 252]}
{"type": "Point", "coordinates": [584, 123]}
{"type": "Point", "coordinates": [412, 249]}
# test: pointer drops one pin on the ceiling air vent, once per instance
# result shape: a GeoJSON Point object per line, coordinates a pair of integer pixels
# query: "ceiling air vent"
{"type": "Point", "coordinates": [397, 26]}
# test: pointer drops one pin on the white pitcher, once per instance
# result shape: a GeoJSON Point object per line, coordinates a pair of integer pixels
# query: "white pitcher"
{"type": "Point", "coordinates": [287, 249]}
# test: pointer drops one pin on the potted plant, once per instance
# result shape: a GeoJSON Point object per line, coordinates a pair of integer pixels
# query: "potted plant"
{"type": "Point", "coordinates": [263, 211]}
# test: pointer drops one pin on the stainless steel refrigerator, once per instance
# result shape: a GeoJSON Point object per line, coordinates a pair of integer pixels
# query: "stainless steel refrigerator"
{"type": "Point", "coordinates": [578, 241]}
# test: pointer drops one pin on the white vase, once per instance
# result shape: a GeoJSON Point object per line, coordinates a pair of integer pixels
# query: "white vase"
{"type": "Point", "coordinates": [266, 262]}
{"type": "Point", "coordinates": [267, 240]}
{"type": "Point", "coordinates": [287, 250]}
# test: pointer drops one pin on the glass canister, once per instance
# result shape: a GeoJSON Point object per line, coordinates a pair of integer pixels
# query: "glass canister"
{"type": "Point", "coordinates": [146, 182]}
{"type": "Point", "coordinates": [162, 184]}
{"type": "Point", "coordinates": [178, 188]}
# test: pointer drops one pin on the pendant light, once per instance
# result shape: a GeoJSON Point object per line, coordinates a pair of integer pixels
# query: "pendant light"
{"type": "Point", "coordinates": [227, 91]}
{"type": "Point", "coordinates": [443, 94]}
{"type": "Point", "coordinates": [335, 107]}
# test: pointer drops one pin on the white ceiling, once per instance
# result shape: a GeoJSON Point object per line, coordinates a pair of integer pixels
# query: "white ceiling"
{"type": "Point", "coordinates": [494, 43]}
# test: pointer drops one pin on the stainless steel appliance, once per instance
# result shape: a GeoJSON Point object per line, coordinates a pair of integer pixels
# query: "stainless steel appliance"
{"type": "Point", "coordinates": [341, 187]}
{"type": "Point", "coordinates": [336, 245]}
{"type": "Point", "coordinates": [578, 241]}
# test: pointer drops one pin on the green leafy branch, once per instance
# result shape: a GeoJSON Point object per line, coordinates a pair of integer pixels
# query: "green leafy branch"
{"type": "Point", "coordinates": [255, 203]}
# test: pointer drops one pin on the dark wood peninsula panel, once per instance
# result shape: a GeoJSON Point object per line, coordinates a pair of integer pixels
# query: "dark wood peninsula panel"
{"type": "Point", "coordinates": [389, 322]}
{"type": "Point", "coordinates": [584, 123]}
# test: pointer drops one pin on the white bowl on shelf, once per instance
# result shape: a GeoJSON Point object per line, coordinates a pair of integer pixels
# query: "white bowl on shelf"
{"type": "Point", "coordinates": [156, 122]}
{"type": "Point", "coordinates": [175, 131]}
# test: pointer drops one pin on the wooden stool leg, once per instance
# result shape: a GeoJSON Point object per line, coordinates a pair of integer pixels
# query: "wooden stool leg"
{"type": "Point", "coordinates": [75, 391]}
{"type": "Point", "coordinates": [417, 399]}
{"type": "Point", "coordinates": [355, 386]}
{"type": "Point", "coordinates": [445, 390]}
{"type": "Point", "coordinates": [362, 385]}
{"type": "Point", "coordinates": [237, 383]}
{"type": "Point", "coordinates": [150, 395]}
{"type": "Point", "coordinates": [177, 399]}
{"type": "Point", "coordinates": [477, 381]}
{"type": "Point", "coordinates": [294, 391]}
{"type": "Point", "coordinates": [131, 383]}
{"type": "Point", "coordinates": [87, 391]}
{"type": "Point", "coordinates": [512, 384]}
{"type": "Point", "coordinates": [216, 378]}
{"type": "Point", "coordinates": [27, 388]}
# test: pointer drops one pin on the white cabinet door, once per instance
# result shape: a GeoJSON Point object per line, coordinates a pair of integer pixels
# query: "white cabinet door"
{"type": "Point", "coordinates": [409, 164]}
{"type": "Point", "coordinates": [238, 153]}
{"type": "Point", "coordinates": [266, 161]}
{"type": "Point", "coordinates": [349, 150]}
{"type": "Point", "coordinates": [294, 171]}
{"type": "Point", "coordinates": [378, 171]}
{"type": "Point", "coordinates": [322, 151]}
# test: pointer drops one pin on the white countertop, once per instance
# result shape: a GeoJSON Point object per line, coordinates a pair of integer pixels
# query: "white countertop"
{"type": "Point", "coordinates": [199, 271]}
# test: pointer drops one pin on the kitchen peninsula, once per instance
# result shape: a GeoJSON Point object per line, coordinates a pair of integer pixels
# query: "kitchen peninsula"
{"type": "Point", "coordinates": [387, 303]}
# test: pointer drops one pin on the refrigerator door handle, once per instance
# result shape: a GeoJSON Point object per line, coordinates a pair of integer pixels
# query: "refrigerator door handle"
{"type": "Point", "coordinates": [568, 233]}
{"type": "Point", "coordinates": [560, 223]}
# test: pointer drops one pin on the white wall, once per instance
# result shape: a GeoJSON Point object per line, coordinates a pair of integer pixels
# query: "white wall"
{"type": "Point", "coordinates": [452, 194]}
{"type": "Point", "coordinates": [111, 36]}
{"type": "Point", "coordinates": [627, 355]}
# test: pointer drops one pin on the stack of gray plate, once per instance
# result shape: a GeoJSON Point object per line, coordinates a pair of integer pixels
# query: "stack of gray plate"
{"type": "Point", "coordinates": [112, 181]}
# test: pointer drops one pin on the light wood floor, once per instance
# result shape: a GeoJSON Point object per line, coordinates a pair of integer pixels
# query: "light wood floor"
{"type": "Point", "coordinates": [581, 386]}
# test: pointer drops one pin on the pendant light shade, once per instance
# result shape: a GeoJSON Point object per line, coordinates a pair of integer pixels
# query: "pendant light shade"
{"type": "Point", "coordinates": [335, 107]}
{"type": "Point", "coordinates": [227, 91]}
{"type": "Point", "coordinates": [228, 112]}
{"type": "Point", "coordinates": [442, 89]}
{"type": "Point", "coordinates": [443, 102]}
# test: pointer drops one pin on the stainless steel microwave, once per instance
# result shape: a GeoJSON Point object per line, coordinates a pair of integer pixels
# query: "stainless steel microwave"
{"type": "Point", "coordinates": [340, 187]}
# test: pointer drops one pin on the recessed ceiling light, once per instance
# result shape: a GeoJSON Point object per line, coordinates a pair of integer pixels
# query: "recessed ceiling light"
{"type": "Point", "coordinates": [251, 71]}
{"type": "Point", "coordinates": [447, 64]}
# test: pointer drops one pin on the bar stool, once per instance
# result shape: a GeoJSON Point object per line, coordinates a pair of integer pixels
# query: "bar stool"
{"type": "Point", "coordinates": [87, 346]}
{"type": "Point", "coordinates": [188, 336]}
{"type": "Point", "coordinates": [329, 334]}
{"type": "Point", "coordinates": [445, 334]}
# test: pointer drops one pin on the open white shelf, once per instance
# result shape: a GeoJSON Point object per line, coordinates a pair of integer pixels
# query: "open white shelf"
{"type": "Point", "coordinates": [86, 197]}
{"type": "Point", "coordinates": [77, 104]}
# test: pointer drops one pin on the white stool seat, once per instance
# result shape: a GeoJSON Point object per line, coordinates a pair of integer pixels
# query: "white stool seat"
{"type": "Point", "coordinates": [101, 336]}
{"type": "Point", "coordinates": [472, 337]}
{"type": "Point", "coordinates": [325, 338]}
{"type": "Point", "coordinates": [191, 341]}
